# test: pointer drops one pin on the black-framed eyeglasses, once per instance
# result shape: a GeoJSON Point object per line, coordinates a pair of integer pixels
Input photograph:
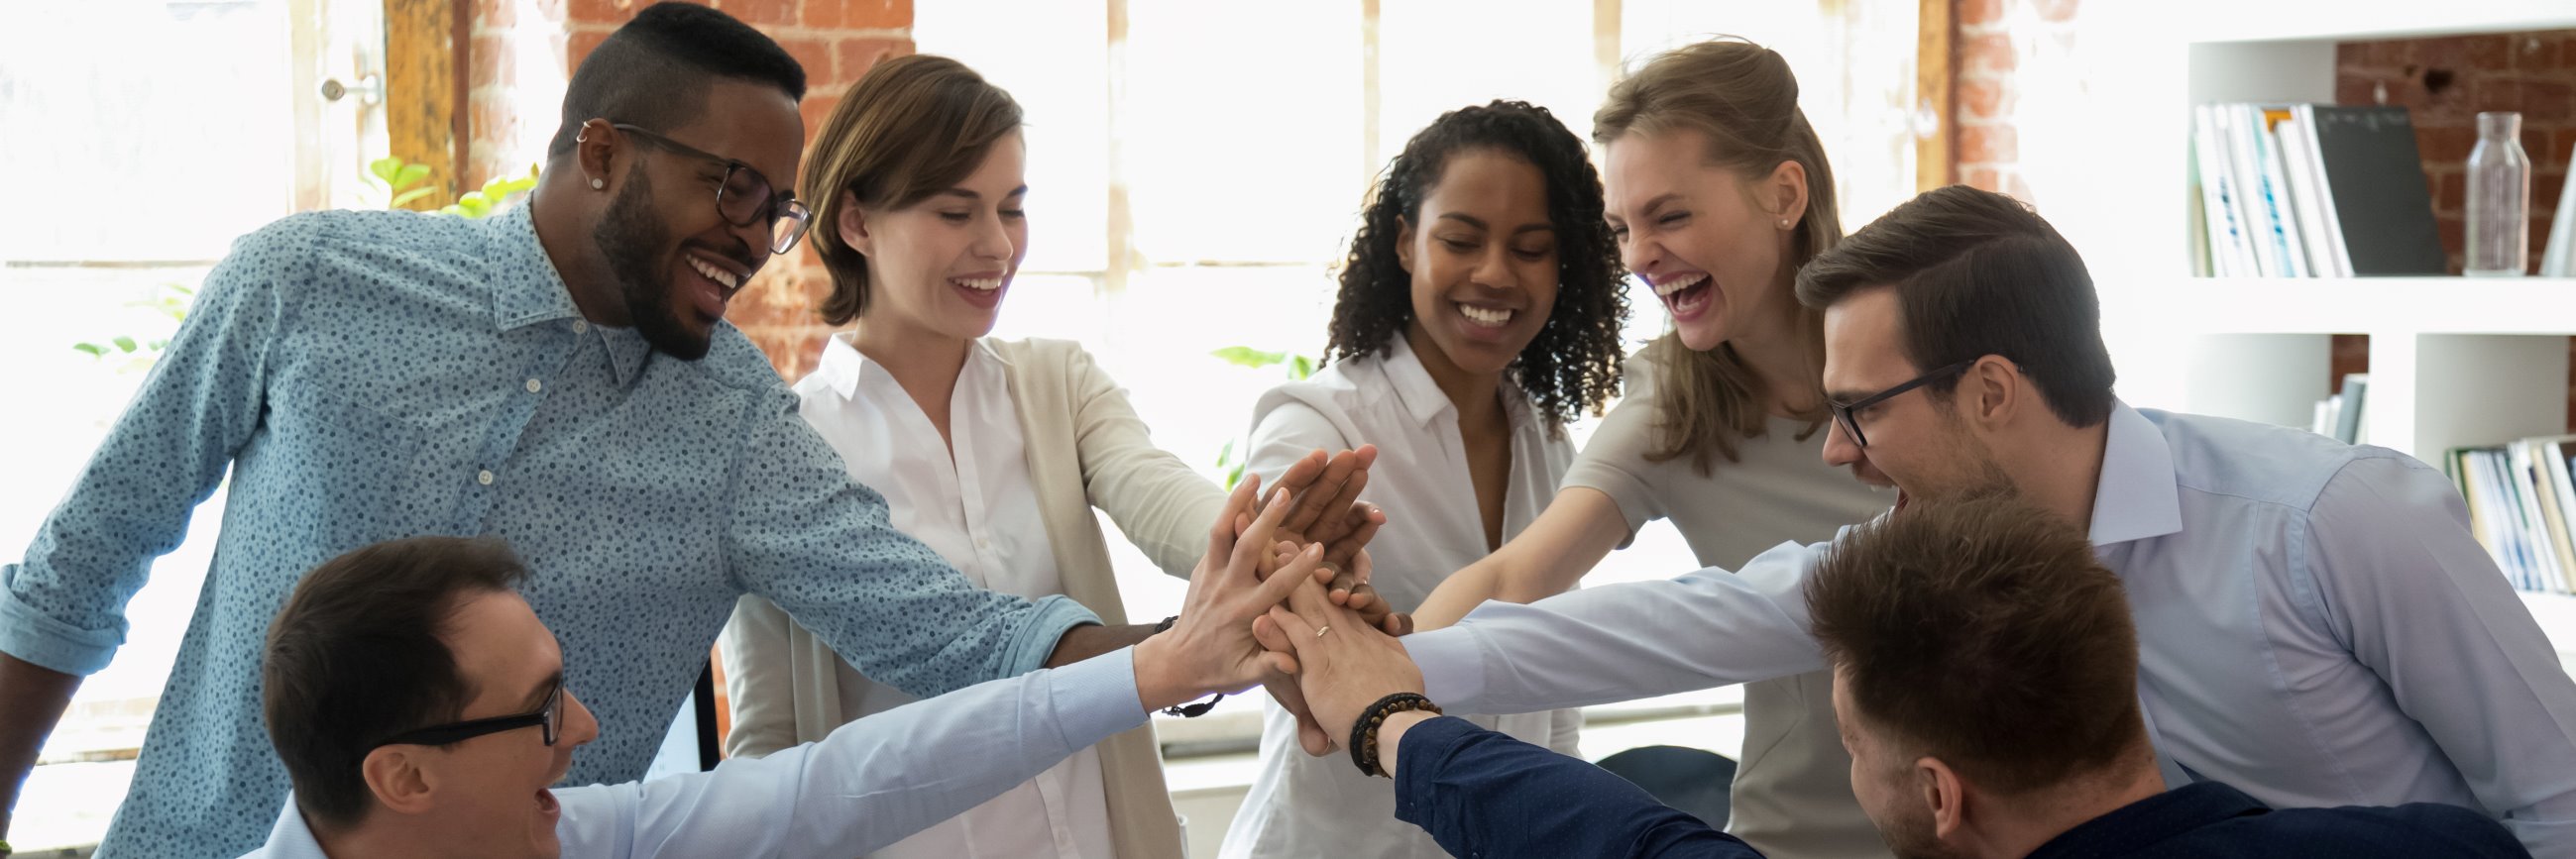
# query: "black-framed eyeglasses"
{"type": "Point", "coordinates": [548, 716]}
{"type": "Point", "coordinates": [745, 197]}
{"type": "Point", "coordinates": [1843, 411]}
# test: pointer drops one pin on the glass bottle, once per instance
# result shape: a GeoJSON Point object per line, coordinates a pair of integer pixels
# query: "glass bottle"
{"type": "Point", "coordinates": [2499, 198]}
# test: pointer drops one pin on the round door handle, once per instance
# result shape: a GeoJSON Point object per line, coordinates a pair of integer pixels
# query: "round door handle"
{"type": "Point", "coordinates": [369, 89]}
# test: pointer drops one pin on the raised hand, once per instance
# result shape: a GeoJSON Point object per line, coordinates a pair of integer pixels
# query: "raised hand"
{"type": "Point", "coordinates": [1211, 648]}
{"type": "Point", "coordinates": [1328, 511]}
{"type": "Point", "coordinates": [1342, 664]}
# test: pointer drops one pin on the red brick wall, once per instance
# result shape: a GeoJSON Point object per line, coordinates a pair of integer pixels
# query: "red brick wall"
{"type": "Point", "coordinates": [2444, 83]}
{"type": "Point", "coordinates": [1997, 42]}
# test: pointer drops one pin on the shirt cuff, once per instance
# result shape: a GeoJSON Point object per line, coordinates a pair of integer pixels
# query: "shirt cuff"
{"type": "Point", "coordinates": [42, 641]}
{"type": "Point", "coordinates": [1095, 699]}
{"type": "Point", "coordinates": [1453, 665]}
{"type": "Point", "coordinates": [1046, 624]}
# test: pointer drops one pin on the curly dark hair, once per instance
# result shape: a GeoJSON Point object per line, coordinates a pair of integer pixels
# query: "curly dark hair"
{"type": "Point", "coordinates": [1572, 366]}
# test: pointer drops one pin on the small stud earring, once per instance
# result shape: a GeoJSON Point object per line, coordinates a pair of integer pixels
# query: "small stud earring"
{"type": "Point", "coordinates": [596, 184]}
{"type": "Point", "coordinates": [1784, 222]}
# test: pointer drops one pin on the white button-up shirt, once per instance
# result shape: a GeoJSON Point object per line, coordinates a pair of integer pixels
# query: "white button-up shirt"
{"type": "Point", "coordinates": [978, 510]}
{"type": "Point", "coordinates": [1308, 806]}
{"type": "Point", "coordinates": [868, 784]}
{"type": "Point", "coordinates": [2316, 627]}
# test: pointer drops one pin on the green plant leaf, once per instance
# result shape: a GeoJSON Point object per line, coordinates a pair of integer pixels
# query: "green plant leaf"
{"type": "Point", "coordinates": [94, 350]}
{"type": "Point", "coordinates": [404, 199]}
{"type": "Point", "coordinates": [1233, 477]}
{"type": "Point", "coordinates": [1246, 356]}
{"type": "Point", "coordinates": [1301, 368]}
{"type": "Point", "coordinates": [386, 168]}
{"type": "Point", "coordinates": [124, 343]}
{"type": "Point", "coordinates": [411, 174]}
{"type": "Point", "coordinates": [158, 345]}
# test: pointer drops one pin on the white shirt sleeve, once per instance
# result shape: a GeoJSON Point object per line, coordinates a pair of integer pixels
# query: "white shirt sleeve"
{"type": "Point", "coordinates": [2421, 603]}
{"type": "Point", "coordinates": [1628, 640]}
{"type": "Point", "coordinates": [872, 782]}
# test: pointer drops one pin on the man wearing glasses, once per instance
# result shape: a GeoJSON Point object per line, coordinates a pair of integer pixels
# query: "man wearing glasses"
{"type": "Point", "coordinates": [558, 376]}
{"type": "Point", "coordinates": [423, 709]}
{"type": "Point", "coordinates": [2316, 625]}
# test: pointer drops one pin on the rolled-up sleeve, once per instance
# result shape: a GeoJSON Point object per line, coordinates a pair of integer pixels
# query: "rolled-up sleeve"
{"type": "Point", "coordinates": [815, 542]}
{"type": "Point", "coordinates": [63, 607]}
{"type": "Point", "coordinates": [1628, 640]}
{"type": "Point", "coordinates": [2421, 603]}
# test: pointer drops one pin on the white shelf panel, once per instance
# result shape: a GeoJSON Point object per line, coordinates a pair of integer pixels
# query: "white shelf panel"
{"type": "Point", "coordinates": [2557, 616]}
{"type": "Point", "coordinates": [2356, 20]}
{"type": "Point", "coordinates": [2417, 305]}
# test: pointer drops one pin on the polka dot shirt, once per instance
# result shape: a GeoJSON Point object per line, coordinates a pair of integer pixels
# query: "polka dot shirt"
{"type": "Point", "coordinates": [367, 376]}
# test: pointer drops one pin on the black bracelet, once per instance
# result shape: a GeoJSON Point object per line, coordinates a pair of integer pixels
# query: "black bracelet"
{"type": "Point", "coordinates": [1186, 711]}
{"type": "Point", "coordinates": [1364, 732]}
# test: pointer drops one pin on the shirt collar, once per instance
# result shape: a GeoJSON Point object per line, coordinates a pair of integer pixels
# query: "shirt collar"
{"type": "Point", "coordinates": [1421, 396]}
{"type": "Point", "coordinates": [527, 290]}
{"type": "Point", "coordinates": [290, 838]}
{"type": "Point", "coordinates": [2137, 496]}
{"type": "Point", "coordinates": [2150, 821]}
{"type": "Point", "coordinates": [842, 366]}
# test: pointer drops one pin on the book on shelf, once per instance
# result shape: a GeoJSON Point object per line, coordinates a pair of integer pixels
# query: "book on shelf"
{"type": "Point", "coordinates": [2522, 503]}
{"type": "Point", "coordinates": [2340, 415]}
{"type": "Point", "coordinates": [2305, 190]}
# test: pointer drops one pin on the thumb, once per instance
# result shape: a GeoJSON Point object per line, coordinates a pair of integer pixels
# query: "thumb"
{"type": "Point", "coordinates": [1267, 633]}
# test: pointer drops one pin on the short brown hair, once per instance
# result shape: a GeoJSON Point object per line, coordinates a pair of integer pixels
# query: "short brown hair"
{"type": "Point", "coordinates": [911, 127]}
{"type": "Point", "coordinates": [1978, 273]}
{"type": "Point", "coordinates": [1745, 99]}
{"type": "Point", "coordinates": [1984, 632]}
{"type": "Point", "coordinates": [355, 657]}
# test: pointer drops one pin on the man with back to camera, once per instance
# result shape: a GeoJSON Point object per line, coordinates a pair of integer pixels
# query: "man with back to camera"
{"type": "Point", "coordinates": [559, 375]}
{"type": "Point", "coordinates": [2316, 625]}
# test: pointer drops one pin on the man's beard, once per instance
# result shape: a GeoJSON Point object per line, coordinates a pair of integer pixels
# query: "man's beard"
{"type": "Point", "coordinates": [634, 239]}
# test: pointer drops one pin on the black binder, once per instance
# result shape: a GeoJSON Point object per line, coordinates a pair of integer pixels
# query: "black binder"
{"type": "Point", "coordinates": [2377, 183]}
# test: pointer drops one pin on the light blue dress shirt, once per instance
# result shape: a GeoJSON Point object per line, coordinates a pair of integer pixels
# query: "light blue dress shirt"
{"type": "Point", "coordinates": [373, 375]}
{"type": "Point", "coordinates": [2316, 627]}
{"type": "Point", "coordinates": [869, 784]}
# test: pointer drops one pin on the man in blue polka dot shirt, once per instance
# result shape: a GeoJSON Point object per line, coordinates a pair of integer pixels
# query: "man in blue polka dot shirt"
{"type": "Point", "coordinates": [559, 376]}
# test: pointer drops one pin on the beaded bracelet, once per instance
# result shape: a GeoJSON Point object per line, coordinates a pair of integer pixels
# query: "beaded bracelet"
{"type": "Point", "coordinates": [1364, 732]}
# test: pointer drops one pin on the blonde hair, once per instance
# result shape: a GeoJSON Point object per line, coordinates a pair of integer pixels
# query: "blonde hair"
{"type": "Point", "coordinates": [1744, 97]}
{"type": "Point", "coordinates": [910, 128]}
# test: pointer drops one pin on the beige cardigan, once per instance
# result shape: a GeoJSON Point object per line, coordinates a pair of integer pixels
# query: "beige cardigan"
{"type": "Point", "coordinates": [1086, 447]}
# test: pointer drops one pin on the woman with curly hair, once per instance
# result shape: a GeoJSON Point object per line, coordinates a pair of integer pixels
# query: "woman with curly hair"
{"type": "Point", "coordinates": [1718, 190]}
{"type": "Point", "coordinates": [1479, 312]}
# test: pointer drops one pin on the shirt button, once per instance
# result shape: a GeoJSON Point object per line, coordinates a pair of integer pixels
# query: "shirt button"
{"type": "Point", "coordinates": [483, 477]}
{"type": "Point", "coordinates": [534, 387]}
{"type": "Point", "coordinates": [579, 326]}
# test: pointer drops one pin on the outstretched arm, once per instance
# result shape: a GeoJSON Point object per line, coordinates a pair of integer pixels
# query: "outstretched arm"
{"type": "Point", "coordinates": [1579, 527]}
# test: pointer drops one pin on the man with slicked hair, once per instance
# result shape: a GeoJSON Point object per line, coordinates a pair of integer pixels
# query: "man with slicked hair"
{"type": "Point", "coordinates": [560, 376]}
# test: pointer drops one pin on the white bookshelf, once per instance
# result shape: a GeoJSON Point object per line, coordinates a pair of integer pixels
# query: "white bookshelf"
{"type": "Point", "coordinates": [2453, 361]}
